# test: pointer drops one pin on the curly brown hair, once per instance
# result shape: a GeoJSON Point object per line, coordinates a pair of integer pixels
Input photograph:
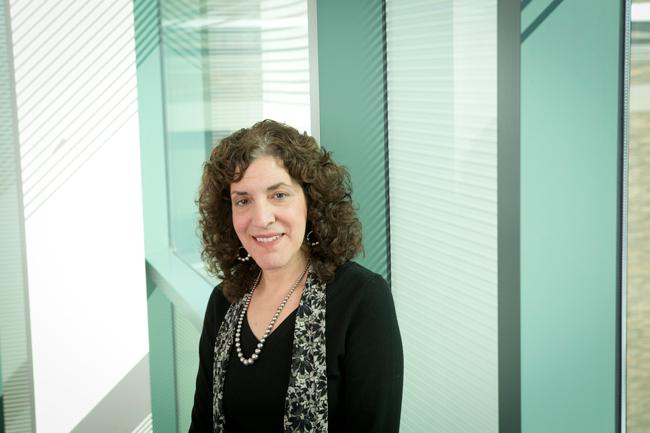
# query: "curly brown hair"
{"type": "Point", "coordinates": [331, 215]}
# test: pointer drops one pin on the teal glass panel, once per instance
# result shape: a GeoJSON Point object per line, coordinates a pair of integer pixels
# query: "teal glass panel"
{"type": "Point", "coordinates": [186, 342]}
{"type": "Point", "coordinates": [152, 126]}
{"type": "Point", "coordinates": [154, 198]}
{"type": "Point", "coordinates": [161, 360]}
{"type": "Point", "coordinates": [442, 131]}
{"type": "Point", "coordinates": [353, 109]}
{"type": "Point", "coordinates": [570, 144]}
{"type": "Point", "coordinates": [638, 229]}
{"type": "Point", "coordinates": [186, 130]}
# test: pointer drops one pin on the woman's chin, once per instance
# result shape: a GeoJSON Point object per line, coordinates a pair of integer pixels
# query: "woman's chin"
{"type": "Point", "coordinates": [273, 262]}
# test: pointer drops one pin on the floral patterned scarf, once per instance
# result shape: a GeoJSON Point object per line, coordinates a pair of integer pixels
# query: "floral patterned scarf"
{"type": "Point", "coordinates": [305, 407]}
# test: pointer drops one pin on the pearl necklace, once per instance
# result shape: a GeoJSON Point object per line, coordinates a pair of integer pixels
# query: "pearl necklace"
{"type": "Point", "coordinates": [247, 300]}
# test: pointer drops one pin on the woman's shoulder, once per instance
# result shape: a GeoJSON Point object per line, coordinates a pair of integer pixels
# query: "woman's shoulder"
{"type": "Point", "coordinates": [359, 299]}
{"type": "Point", "coordinates": [354, 272]}
{"type": "Point", "coordinates": [218, 305]}
{"type": "Point", "coordinates": [217, 298]}
{"type": "Point", "coordinates": [357, 281]}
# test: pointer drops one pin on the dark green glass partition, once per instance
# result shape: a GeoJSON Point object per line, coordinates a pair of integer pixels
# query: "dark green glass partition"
{"type": "Point", "coordinates": [352, 76]}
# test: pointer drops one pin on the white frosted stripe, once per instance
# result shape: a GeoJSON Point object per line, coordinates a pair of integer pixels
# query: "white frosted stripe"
{"type": "Point", "coordinates": [640, 12]}
{"type": "Point", "coordinates": [277, 52]}
{"type": "Point", "coordinates": [35, 15]}
{"type": "Point", "coordinates": [461, 310]}
{"type": "Point", "coordinates": [457, 318]}
{"type": "Point", "coordinates": [66, 72]}
{"type": "Point", "coordinates": [478, 279]}
{"type": "Point", "coordinates": [476, 157]}
{"type": "Point", "coordinates": [285, 45]}
{"type": "Point", "coordinates": [290, 95]}
{"type": "Point", "coordinates": [36, 113]}
{"type": "Point", "coordinates": [51, 181]}
{"type": "Point", "coordinates": [300, 88]}
{"type": "Point", "coordinates": [289, 65]}
{"type": "Point", "coordinates": [146, 426]}
{"type": "Point", "coordinates": [64, 124]}
{"type": "Point", "coordinates": [285, 55]}
{"type": "Point", "coordinates": [445, 214]}
{"type": "Point", "coordinates": [437, 177]}
{"type": "Point", "coordinates": [285, 38]}
{"type": "Point", "coordinates": [58, 59]}
{"type": "Point", "coordinates": [293, 76]}
{"type": "Point", "coordinates": [296, 32]}
{"type": "Point", "coordinates": [294, 14]}
{"type": "Point", "coordinates": [42, 107]}
{"type": "Point", "coordinates": [477, 282]}
{"type": "Point", "coordinates": [81, 137]}
{"type": "Point", "coordinates": [279, 9]}
{"type": "Point", "coordinates": [442, 150]}
{"type": "Point", "coordinates": [451, 337]}
{"type": "Point", "coordinates": [472, 243]}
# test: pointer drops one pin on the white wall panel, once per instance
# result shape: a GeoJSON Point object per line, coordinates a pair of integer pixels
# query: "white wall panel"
{"type": "Point", "coordinates": [79, 141]}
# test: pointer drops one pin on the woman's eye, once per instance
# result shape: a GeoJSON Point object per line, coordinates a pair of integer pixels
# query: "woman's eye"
{"type": "Point", "coordinates": [241, 202]}
{"type": "Point", "coordinates": [280, 195]}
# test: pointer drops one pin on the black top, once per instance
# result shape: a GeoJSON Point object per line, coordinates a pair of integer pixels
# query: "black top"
{"type": "Point", "coordinates": [364, 356]}
{"type": "Point", "coordinates": [253, 395]}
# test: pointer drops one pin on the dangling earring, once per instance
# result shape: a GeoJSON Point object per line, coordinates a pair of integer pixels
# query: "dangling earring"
{"type": "Point", "coordinates": [309, 241]}
{"type": "Point", "coordinates": [243, 258]}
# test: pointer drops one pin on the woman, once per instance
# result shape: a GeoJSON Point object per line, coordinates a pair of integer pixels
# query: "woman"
{"type": "Point", "coordinates": [296, 338]}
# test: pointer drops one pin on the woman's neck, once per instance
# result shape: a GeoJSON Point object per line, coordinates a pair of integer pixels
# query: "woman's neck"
{"type": "Point", "coordinates": [281, 280]}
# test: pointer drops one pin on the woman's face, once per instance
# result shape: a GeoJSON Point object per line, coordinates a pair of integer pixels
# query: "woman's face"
{"type": "Point", "coordinates": [269, 214]}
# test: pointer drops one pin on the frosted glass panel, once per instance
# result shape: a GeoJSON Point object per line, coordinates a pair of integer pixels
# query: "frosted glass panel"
{"type": "Point", "coordinates": [442, 89]}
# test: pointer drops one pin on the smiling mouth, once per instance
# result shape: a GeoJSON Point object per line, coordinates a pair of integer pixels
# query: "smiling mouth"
{"type": "Point", "coordinates": [266, 239]}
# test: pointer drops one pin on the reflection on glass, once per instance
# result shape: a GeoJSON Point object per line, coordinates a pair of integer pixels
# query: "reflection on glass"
{"type": "Point", "coordinates": [638, 266]}
{"type": "Point", "coordinates": [226, 65]}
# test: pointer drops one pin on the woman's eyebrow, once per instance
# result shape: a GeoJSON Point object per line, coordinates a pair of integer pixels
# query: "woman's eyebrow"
{"type": "Point", "coordinates": [270, 188]}
{"type": "Point", "coordinates": [277, 185]}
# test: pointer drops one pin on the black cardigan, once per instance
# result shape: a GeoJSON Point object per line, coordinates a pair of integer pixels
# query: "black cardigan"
{"type": "Point", "coordinates": [364, 355]}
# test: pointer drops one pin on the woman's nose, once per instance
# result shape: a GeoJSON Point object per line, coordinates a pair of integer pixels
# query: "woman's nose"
{"type": "Point", "coordinates": [263, 216]}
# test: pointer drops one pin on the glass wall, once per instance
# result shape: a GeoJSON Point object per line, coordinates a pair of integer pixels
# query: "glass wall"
{"type": "Point", "coordinates": [442, 131]}
{"type": "Point", "coordinates": [410, 101]}
{"type": "Point", "coordinates": [226, 65]}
